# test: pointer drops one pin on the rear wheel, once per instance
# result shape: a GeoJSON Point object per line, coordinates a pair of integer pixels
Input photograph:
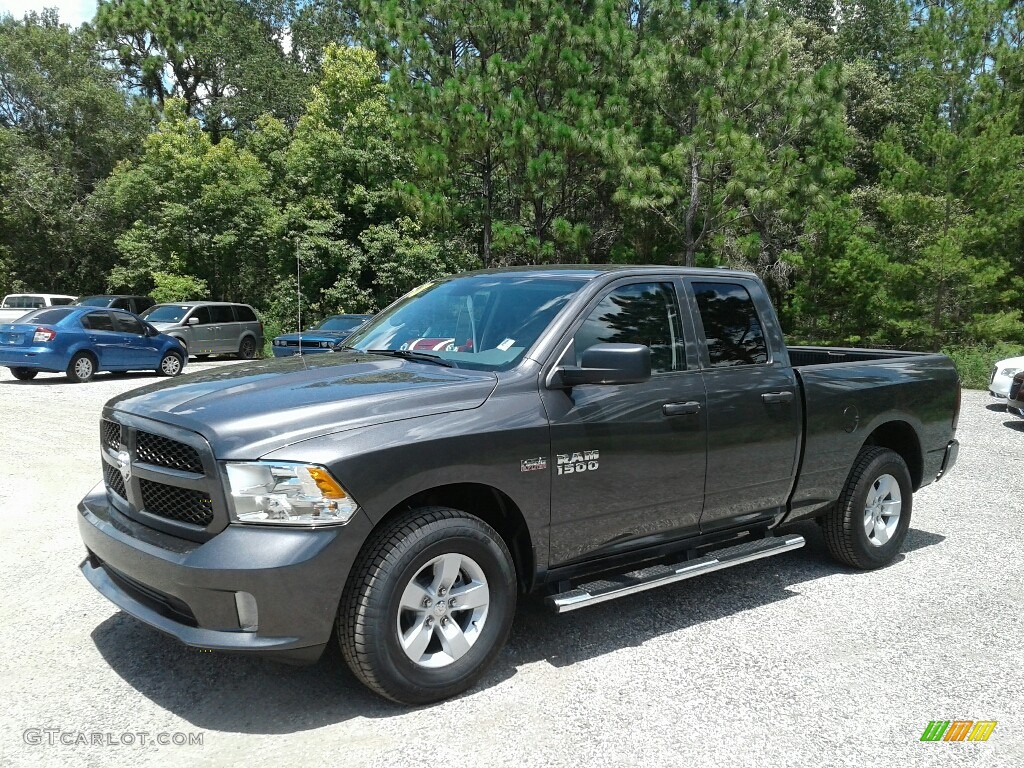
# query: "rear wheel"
{"type": "Point", "coordinates": [81, 368]}
{"type": "Point", "coordinates": [247, 349]}
{"type": "Point", "coordinates": [23, 374]}
{"type": "Point", "coordinates": [428, 606]}
{"type": "Point", "coordinates": [170, 365]}
{"type": "Point", "coordinates": [868, 524]}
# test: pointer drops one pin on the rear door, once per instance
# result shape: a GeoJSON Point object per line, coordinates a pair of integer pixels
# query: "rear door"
{"type": "Point", "coordinates": [104, 338]}
{"type": "Point", "coordinates": [628, 461]}
{"type": "Point", "coordinates": [752, 405]}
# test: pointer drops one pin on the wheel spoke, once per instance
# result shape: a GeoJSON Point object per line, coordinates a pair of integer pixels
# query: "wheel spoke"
{"type": "Point", "coordinates": [884, 487]}
{"type": "Point", "coordinates": [416, 640]}
{"type": "Point", "coordinates": [869, 522]}
{"type": "Point", "coordinates": [881, 532]}
{"type": "Point", "coordinates": [414, 596]}
{"type": "Point", "coordinates": [890, 508]}
{"type": "Point", "coordinates": [446, 571]}
{"type": "Point", "coordinates": [474, 595]}
{"type": "Point", "coordinates": [453, 640]}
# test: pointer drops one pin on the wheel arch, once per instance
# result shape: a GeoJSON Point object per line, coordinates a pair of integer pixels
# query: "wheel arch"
{"type": "Point", "coordinates": [489, 504]}
{"type": "Point", "coordinates": [902, 438]}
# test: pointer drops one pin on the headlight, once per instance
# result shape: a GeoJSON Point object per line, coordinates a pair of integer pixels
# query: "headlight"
{"type": "Point", "coordinates": [1011, 372]}
{"type": "Point", "coordinates": [277, 343]}
{"type": "Point", "coordinates": [325, 344]}
{"type": "Point", "coordinates": [282, 493]}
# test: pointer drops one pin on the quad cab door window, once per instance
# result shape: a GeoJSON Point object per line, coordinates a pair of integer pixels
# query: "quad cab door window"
{"type": "Point", "coordinates": [642, 464]}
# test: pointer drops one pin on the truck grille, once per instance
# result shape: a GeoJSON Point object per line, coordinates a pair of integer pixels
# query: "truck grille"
{"type": "Point", "coordinates": [181, 504]}
{"type": "Point", "coordinates": [163, 452]}
{"type": "Point", "coordinates": [168, 482]}
{"type": "Point", "coordinates": [114, 480]}
{"type": "Point", "coordinates": [110, 434]}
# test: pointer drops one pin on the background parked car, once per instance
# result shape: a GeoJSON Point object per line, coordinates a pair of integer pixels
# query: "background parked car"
{"type": "Point", "coordinates": [1002, 376]}
{"type": "Point", "coordinates": [1015, 397]}
{"type": "Point", "coordinates": [80, 341]}
{"type": "Point", "coordinates": [320, 337]}
{"type": "Point", "coordinates": [210, 327]}
{"type": "Point", "coordinates": [134, 304]}
{"type": "Point", "coordinates": [15, 305]}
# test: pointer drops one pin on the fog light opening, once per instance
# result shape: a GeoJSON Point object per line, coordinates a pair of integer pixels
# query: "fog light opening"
{"type": "Point", "coordinates": [248, 617]}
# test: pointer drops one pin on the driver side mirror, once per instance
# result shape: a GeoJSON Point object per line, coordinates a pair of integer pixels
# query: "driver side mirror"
{"type": "Point", "coordinates": [193, 321]}
{"type": "Point", "coordinates": [605, 364]}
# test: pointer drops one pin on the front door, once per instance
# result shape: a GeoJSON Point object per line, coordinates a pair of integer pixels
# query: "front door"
{"type": "Point", "coordinates": [139, 349]}
{"type": "Point", "coordinates": [628, 461]}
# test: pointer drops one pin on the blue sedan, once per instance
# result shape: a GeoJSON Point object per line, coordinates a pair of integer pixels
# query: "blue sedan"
{"type": "Point", "coordinates": [320, 338]}
{"type": "Point", "coordinates": [80, 341]}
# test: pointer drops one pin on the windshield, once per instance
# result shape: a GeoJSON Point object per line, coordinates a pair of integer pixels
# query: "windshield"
{"type": "Point", "coordinates": [485, 322]}
{"type": "Point", "coordinates": [338, 324]}
{"type": "Point", "coordinates": [165, 313]}
{"type": "Point", "coordinates": [96, 301]}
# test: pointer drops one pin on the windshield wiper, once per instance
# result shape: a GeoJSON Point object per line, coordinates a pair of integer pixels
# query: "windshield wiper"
{"type": "Point", "coordinates": [410, 354]}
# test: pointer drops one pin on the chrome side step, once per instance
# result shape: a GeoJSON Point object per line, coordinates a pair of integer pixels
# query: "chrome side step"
{"type": "Point", "coordinates": [657, 575]}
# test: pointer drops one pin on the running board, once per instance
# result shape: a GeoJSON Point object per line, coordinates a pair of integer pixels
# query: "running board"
{"type": "Point", "coordinates": [624, 584]}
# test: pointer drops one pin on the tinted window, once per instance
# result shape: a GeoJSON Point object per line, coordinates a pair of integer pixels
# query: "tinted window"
{"type": "Point", "coordinates": [60, 302]}
{"type": "Point", "coordinates": [128, 324]}
{"type": "Point", "coordinates": [203, 313]}
{"type": "Point", "coordinates": [46, 316]}
{"type": "Point", "coordinates": [98, 321]}
{"type": "Point", "coordinates": [642, 313]}
{"type": "Point", "coordinates": [245, 314]}
{"type": "Point", "coordinates": [94, 301]}
{"type": "Point", "coordinates": [338, 324]}
{"type": "Point", "coordinates": [120, 304]}
{"type": "Point", "coordinates": [23, 302]}
{"type": "Point", "coordinates": [731, 325]}
{"type": "Point", "coordinates": [221, 314]}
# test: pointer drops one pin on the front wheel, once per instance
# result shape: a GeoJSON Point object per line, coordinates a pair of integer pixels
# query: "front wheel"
{"type": "Point", "coordinates": [428, 606]}
{"type": "Point", "coordinates": [81, 368]}
{"type": "Point", "coordinates": [868, 524]}
{"type": "Point", "coordinates": [170, 365]}
{"type": "Point", "coordinates": [23, 374]}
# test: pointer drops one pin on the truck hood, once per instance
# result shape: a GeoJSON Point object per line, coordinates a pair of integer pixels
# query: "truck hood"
{"type": "Point", "coordinates": [250, 409]}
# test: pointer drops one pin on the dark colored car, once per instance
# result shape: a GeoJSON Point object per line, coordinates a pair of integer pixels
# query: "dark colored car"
{"type": "Point", "coordinates": [81, 341]}
{"type": "Point", "coordinates": [322, 337]}
{"type": "Point", "coordinates": [1015, 400]}
{"type": "Point", "coordinates": [581, 433]}
{"type": "Point", "coordinates": [134, 304]}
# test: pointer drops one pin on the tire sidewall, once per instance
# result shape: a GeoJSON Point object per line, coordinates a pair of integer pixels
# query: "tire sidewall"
{"type": "Point", "coordinates": [428, 684]}
{"type": "Point", "coordinates": [886, 464]}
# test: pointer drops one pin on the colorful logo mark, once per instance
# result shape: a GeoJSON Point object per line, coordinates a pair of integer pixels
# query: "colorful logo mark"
{"type": "Point", "coordinates": [958, 730]}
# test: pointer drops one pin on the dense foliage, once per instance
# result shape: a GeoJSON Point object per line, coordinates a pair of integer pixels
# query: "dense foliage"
{"type": "Point", "coordinates": [866, 157]}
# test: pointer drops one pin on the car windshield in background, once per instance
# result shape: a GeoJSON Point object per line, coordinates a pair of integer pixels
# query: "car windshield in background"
{"type": "Point", "coordinates": [96, 301]}
{"type": "Point", "coordinates": [166, 313]}
{"type": "Point", "coordinates": [478, 321]}
{"type": "Point", "coordinates": [47, 315]}
{"type": "Point", "coordinates": [337, 324]}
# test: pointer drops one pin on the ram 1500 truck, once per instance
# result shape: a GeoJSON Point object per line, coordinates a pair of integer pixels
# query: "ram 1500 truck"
{"type": "Point", "coordinates": [580, 432]}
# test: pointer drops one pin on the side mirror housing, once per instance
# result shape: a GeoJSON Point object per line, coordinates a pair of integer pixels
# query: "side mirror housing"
{"type": "Point", "coordinates": [193, 321]}
{"type": "Point", "coordinates": [605, 364]}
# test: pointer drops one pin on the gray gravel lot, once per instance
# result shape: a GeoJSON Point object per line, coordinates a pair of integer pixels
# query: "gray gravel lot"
{"type": "Point", "coordinates": [787, 661]}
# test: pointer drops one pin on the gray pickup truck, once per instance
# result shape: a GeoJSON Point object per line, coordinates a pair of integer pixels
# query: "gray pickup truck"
{"type": "Point", "coordinates": [579, 433]}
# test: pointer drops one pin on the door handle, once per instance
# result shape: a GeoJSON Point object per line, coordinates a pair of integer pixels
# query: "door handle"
{"type": "Point", "coordinates": [772, 398]}
{"type": "Point", "coordinates": [680, 409]}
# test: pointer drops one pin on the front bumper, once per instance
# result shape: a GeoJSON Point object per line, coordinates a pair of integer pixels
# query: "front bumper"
{"type": "Point", "coordinates": [188, 589]}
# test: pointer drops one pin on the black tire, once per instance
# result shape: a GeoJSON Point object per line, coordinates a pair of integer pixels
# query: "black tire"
{"type": "Point", "coordinates": [170, 365]}
{"type": "Point", "coordinates": [81, 368]}
{"type": "Point", "coordinates": [247, 349]}
{"type": "Point", "coordinates": [369, 615]}
{"type": "Point", "coordinates": [23, 374]}
{"type": "Point", "coordinates": [845, 525]}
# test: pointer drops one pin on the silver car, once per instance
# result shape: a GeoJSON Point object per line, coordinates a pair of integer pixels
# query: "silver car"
{"type": "Point", "coordinates": [210, 327]}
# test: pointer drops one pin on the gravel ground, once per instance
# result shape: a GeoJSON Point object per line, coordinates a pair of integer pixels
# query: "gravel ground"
{"type": "Point", "coordinates": [787, 661]}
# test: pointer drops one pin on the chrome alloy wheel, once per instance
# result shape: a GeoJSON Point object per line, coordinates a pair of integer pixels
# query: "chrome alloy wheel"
{"type": "Point", "coordinates": [443, 610]}
{"type": "Point", "coordinates": [882, 510]}
{"type": "Point", "coordinates": [170, 365]}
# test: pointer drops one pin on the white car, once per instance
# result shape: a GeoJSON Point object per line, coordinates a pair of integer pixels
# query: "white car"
{"type": "Point", "coordinates": [1002, 376]}
{"type": "Point", "coordinates": [15, 305]}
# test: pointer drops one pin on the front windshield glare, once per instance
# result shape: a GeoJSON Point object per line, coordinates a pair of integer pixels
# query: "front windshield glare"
{"type": "Point", "coordinates": [478, 321]}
